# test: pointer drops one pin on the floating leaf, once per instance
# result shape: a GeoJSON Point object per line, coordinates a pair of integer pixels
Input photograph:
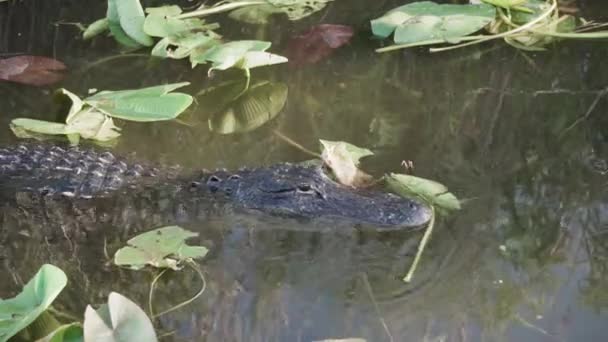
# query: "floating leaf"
{"type": "Point", "coordinates": [131, 17]}
{"type": "Point", "coordinates": [31, 70]}
{"type": "Point", "coordinates": [239, 54]}
{"type": "Point", "coordinates": [318, 43]}
{"type": "Point", "coordinates": [76, 106]}
{"type": "Point", "coordinates": [39, 126]}
{"type": "Point", "coordinates": [258, 14]}
{"type": "Point", "coordinates": [162, 22]}
{"type": "Point", "coordinates": [426, 20]}
{"type": "Point", "coordinates": [37, 295]}
{"type": "Point", "coordinates": [116, 29]}
{"type": "Point", "coordinates": [119, 321]}
{"type": "Point", "coordinates": [258, 105]}
{"type": "Point", "coordinates": [146, 104]}
{"type": "Point", "coordinates": [182, 46]}
{"type": "Point", "coordinates": [66, 333]}
{"type": "Point", "coordinates": [294, 9]}
{"type": "Point", "coordinates": [254, 59]}
{"type": "Point", "coordinates": [91, 124]}
{"type": "Point", "coordinates": [509, 4]}
{"type": "Point", "coordinates": [96, 28]}
{"type": "Point", "coordinates": [343, 159]}
{"type": "Point", "coordinates": [432, 192]}
{"type": "Point", "coordinates": [163, 248]}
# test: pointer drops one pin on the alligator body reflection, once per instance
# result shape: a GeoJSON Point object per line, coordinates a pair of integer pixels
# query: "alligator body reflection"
{"type": "Point", "coordinates": [74, 186]}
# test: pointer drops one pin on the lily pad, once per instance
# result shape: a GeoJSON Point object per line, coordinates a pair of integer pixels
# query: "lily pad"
{"type": "Point", "coordinates": [294, 9]}
{"type": "Point", "coordinates": [258, 105]}
{"type": "Point", "coordinates": [37, 295]}
{"type": "Point", "coordinates": [243, 54]}
{"type": "Point", "coordinates": [120, 320]}
{"type": "Point", "coordinates": [426, 20]}
{"type": "Point", "coordinates": [116, 29]}
{"type": "Point", "coordinates": [430, 191]}
{"type": "Point", "coordinates": [143, 105]}
{"type": "Point", "coordinates": [163, 248]}
{"type": "Point", "coordinates": [131, 17]}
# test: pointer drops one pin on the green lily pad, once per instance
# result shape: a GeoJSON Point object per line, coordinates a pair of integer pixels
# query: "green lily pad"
{"type": "Point", "coordinates": [163, 22]}
{"type": "Point", "coordinates": [163, 248]}
{"type": "Point", "coordinates": [116, 29]}
{"type": "Point", "coordinates": [294, 9]}
{"type": "Point", "coordinates": [143, 105]}
{"type": "Point", "coordinates": [430, 191]}
{"type": "Point", "coordinates": [426, 20]}
{"type": "Point", "coordinates": [39, 126]}
{"type": "Point", "coordinates": [131, 17]}
{"type": "Point", "coordinates": [37, 295]}
{"type": "Point", "coordinates": [120, 320]}
{"type": "Point", "coordinates": [243, 54]}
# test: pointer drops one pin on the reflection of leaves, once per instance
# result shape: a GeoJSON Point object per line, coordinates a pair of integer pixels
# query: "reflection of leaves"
{"type": "Point", "coordinates": [37, 295]}
{"type": "Point", "coordinates": [120, 320]}
{"type": "Point", "coordinates": [163, 248]}
{"type": "Point", "coordinates": [343, 159]}
{"type": "Point", "coordinates": [32, 70]}
{"type": "Point", "coordinates": [253, 108]}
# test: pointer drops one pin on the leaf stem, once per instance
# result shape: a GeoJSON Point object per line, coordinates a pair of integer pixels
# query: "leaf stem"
{"type": "Point", "coordinates": [421, 246]}
{"type": "Point", "coordinates": [184, 303]}
{"type": "Point", "coordinates": [219, 9]}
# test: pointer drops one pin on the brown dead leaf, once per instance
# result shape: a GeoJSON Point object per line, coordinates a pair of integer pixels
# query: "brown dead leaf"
{"type": "Point", "coordinates": [31, 70]}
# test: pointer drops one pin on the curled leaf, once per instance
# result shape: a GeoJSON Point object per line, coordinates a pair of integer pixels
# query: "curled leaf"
{"type": "Point", "coordinates": [343, 159]}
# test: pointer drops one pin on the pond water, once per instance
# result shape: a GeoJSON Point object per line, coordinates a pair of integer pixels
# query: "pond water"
{"type": "Point", "coordinates": [521, 137]}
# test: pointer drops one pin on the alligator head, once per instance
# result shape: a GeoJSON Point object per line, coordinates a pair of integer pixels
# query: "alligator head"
{"type": "Point", "coordinates": [295, 190]}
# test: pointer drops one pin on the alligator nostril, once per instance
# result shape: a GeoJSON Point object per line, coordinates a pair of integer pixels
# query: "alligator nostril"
{"type": "Point", "coordinates": [214, 179]}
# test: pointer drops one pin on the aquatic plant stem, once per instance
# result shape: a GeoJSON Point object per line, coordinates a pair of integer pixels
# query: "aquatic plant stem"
{"type": "Point", "coordinates": [295, 144]}
{"type": "Point", "coordinates": [186, 302]}
{"type": "Point", "coordinates": [151, 293]}
{"type": "Point", "coordinates": [421, 246]}
{"type": "Point", "coordinates": [219, 9]}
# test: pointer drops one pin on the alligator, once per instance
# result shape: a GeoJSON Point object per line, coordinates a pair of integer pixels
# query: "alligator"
{"type": "Point", "coordinates": [70, 186]}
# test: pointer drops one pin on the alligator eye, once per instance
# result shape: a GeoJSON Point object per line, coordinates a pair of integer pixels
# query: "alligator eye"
{"type": "Point", "coordinates": [307, 189]}
{"type": "Point", "coordinates": [304, 188]}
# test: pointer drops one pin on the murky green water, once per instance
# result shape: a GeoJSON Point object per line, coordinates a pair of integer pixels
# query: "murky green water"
{"type": "Point", "coordinates": [522, 137]}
